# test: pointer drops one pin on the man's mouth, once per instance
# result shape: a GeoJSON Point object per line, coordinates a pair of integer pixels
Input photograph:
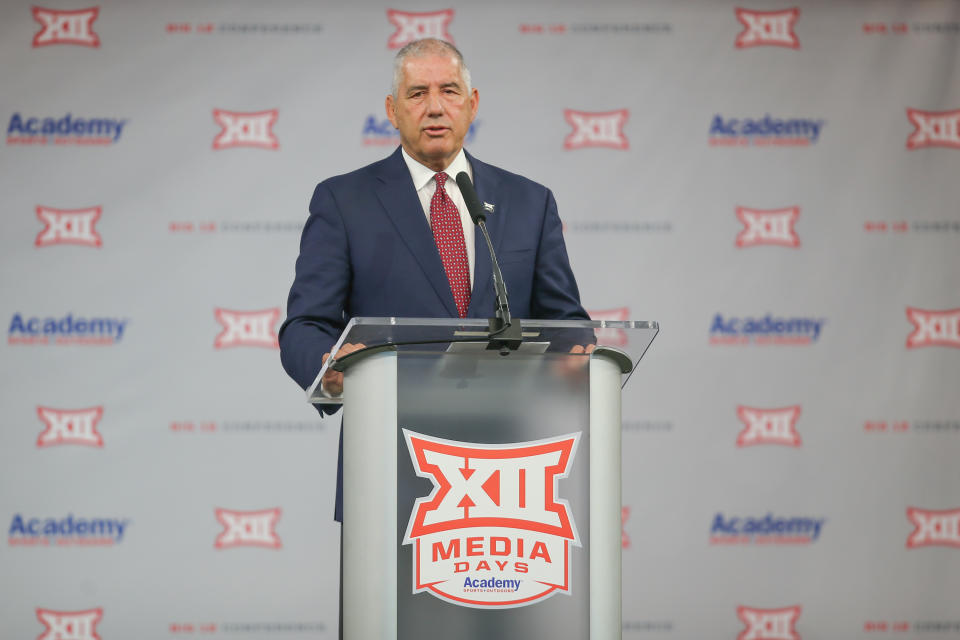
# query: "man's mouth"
{"type": "Point", "coordinates": [436, 131]}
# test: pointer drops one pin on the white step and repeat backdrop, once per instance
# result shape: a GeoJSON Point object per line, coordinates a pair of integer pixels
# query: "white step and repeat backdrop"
{"type": "Point", "coordinates": [777, 184]}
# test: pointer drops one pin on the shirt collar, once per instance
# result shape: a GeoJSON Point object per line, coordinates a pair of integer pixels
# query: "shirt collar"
{"type": "Point", "coordinates": [423, 174]}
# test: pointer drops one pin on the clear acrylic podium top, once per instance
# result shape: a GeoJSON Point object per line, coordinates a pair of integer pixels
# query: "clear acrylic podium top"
{"type": "Point", "coordinates": [625, 341]}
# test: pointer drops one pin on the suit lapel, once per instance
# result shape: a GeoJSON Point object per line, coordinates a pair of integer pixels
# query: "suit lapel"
{"type": "Point", "coordinates": [487, 186]}
{"type": "Point", "coordinates": [399, 199]}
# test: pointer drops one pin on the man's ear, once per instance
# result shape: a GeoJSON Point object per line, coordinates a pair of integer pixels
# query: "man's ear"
{"type": "Point", "coordinates": [388, 105]}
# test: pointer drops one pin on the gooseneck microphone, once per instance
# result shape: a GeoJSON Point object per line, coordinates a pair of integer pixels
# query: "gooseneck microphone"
{"type": "Point", "coordinates": [505, 334]}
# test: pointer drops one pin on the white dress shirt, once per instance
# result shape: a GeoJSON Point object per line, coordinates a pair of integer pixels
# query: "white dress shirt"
{"type": "Point", "coordinates": [426, 185]}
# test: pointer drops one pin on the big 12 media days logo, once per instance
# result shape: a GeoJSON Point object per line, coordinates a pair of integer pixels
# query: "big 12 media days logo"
{"type": "Point", "coordinates": [492, 534]}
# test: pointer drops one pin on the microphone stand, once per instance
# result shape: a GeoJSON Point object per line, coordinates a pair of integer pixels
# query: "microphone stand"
{"type": "Point", "coordinates": [505, 334]}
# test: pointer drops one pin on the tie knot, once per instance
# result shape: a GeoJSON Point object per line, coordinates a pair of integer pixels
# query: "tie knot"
{"type": "Point", "coordinates": [441, 178]}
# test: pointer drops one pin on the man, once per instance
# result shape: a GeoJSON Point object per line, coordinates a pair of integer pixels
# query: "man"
{"type": "Point", "coordinates": [395, 239]}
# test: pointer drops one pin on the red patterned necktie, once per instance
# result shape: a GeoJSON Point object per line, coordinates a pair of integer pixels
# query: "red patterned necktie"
{"type": "Point", "coordinates": [448, 234]}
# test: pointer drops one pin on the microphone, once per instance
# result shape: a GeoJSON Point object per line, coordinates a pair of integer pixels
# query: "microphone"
{"type": "Point", "coordinates": [504, 335]}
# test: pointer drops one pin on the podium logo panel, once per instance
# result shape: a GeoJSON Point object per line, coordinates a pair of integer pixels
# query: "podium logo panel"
{"type": "Point", "coordinates": [493, 532]}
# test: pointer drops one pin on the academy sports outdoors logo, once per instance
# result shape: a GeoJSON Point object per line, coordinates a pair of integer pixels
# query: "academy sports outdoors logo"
{"type": "Point", "coordinates": [609, 337]}
{"type": "Point", "coordinates": [65, 330]}
{"type": "Point", "coordinates": [381, 132]}
{"type": "Point", "coordinates": [764, 132]}
{"type": "Point", "coordinates": [67, 531]}
{"type": "Point", "coordinates": [69, 625]}
{"type": "Point", "coordinates": [933, 328]}
{"type": "Point", "coordinates": [768, 426]}
{"type": "Point", "coordinates": [934, 528]}
{"type": "Point", "coordinates": [934, 129]}
{"type": "Point", "coordinates": [769, 624]}
{"type": "Point", "coordinates": [769, 529]}
{"type": "Point", "coordinates": [492, 533]}
{"type": "Point", "coordinates": [248, 529]}
{"type": "Point", "coordinates": [247, 328]}
{"type": "Point", "coordinates": [246, 129]}
{"type": "Point", "coordinates": [767, 28]}
{"type": "Point", "coordinates": [70, 426]}
{"type": "Point", "coordinates": [414, 26]}
{"type": "Point", "coordinates": [766, 330]}
{"type": "Point", "coordinates": [66, 27]}
{"type": "Point", "coordinates": [66, 129]}
{"type": "Point", "coordinates": [69, 226]}
{"type": "Point", "coordinates": [773, 227]}
{"type": "Point", "coordinates": [596, 129]}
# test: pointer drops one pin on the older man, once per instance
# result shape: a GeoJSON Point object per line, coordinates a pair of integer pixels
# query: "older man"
{"type": "Point", "coordinates": [395, 238]}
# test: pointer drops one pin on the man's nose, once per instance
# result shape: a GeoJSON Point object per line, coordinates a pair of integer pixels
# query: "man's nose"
{"type": "Point", "coordinates": [434, 104]}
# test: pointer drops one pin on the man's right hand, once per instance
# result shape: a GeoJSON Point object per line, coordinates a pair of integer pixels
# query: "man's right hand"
{"type": "Point", "coordinates": [332, 382]}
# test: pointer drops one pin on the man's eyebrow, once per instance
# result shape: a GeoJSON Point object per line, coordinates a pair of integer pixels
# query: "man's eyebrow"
{"type": "Point", "coordinates": [423, 87]}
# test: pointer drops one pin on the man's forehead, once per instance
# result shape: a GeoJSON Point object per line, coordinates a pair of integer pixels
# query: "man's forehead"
{"type": "Point", "coordinates": [433, 69]}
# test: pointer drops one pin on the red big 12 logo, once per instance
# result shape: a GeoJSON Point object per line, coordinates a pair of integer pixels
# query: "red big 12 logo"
{"type": "Point", "coordinates": [69, 625]}
{"type": "Point", "coordinates": [493, 532]}
{"type": "Point", "coordinates": [70, 426]}
{"type": "Point", "coordinates": [768, 426]}
{"type": "Point", "coordinates": [247, 328]}
{"type": "Point", "coordinates": [934, 129]}
{"type": "Point", "coordinates": [69, 226]}
{"type": "Point", "coordinates": [769, 624]}
{"type": "Point", "coordinates": [246, 129]}
{"type": "Point", "coordinates": [248, 528]}
{"type": "Point", "coordinates": [767, 28]}
{"type": "Point", "coordinates": [770, 227]}
{"type": "Point", "coordinates": [933, 328]}
{"type": "Point", "coordinates": [66, 27]}
{"type": "Point", "coordinates": [934, 528]}
{"type": "Point", "coordinates": [414, 26]}
{"type": "Point", "coordinates": [596, 129]}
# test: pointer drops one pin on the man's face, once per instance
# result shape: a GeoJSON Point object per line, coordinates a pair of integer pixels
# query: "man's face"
{"type": "Point", "coordinates": [433, 109]}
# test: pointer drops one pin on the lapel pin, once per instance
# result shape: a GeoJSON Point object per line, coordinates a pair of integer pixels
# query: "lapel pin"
{"type": "Point", "coordinates": [488, 207]}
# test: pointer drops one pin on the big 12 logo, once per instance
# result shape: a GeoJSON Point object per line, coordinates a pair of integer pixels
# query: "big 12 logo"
{"type": "Point", "coordinates": [492, 533]}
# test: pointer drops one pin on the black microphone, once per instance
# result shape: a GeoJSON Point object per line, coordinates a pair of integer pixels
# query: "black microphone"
{"type": "Point", "coordinates": [505, 335]}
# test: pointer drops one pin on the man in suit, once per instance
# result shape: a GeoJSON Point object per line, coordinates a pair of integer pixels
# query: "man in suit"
{"type": "Point", "coordinates": [395, 238]}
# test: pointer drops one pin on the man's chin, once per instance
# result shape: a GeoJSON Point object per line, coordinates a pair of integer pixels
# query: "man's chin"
{"type": "Point", "coordinates": [437, 154]}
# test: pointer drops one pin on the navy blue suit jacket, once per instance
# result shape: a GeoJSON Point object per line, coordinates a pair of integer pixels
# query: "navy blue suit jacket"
{"type": "Point", "coordinates": [367, 250]}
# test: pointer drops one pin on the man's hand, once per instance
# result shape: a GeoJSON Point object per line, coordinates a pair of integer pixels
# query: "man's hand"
{"type": "Point", "coordinates": [332, 382]}
{"type": "Point", "coordinates": [579, 348]}
{"type": "Point", "coordinates": [573, 368]}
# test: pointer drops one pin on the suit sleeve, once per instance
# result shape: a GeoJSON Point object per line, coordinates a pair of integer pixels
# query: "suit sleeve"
{"type": "Point", "coordinates": [318, 297]}
{"type": "Point", "coordinates": [555, 293]}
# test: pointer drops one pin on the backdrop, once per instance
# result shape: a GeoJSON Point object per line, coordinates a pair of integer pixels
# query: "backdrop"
{"type": "Point", "coordinates": [776, 184]}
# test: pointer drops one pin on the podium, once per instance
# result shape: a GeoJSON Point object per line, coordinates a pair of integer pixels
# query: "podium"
{"type": "Point", "coordinates": [481, 486]}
